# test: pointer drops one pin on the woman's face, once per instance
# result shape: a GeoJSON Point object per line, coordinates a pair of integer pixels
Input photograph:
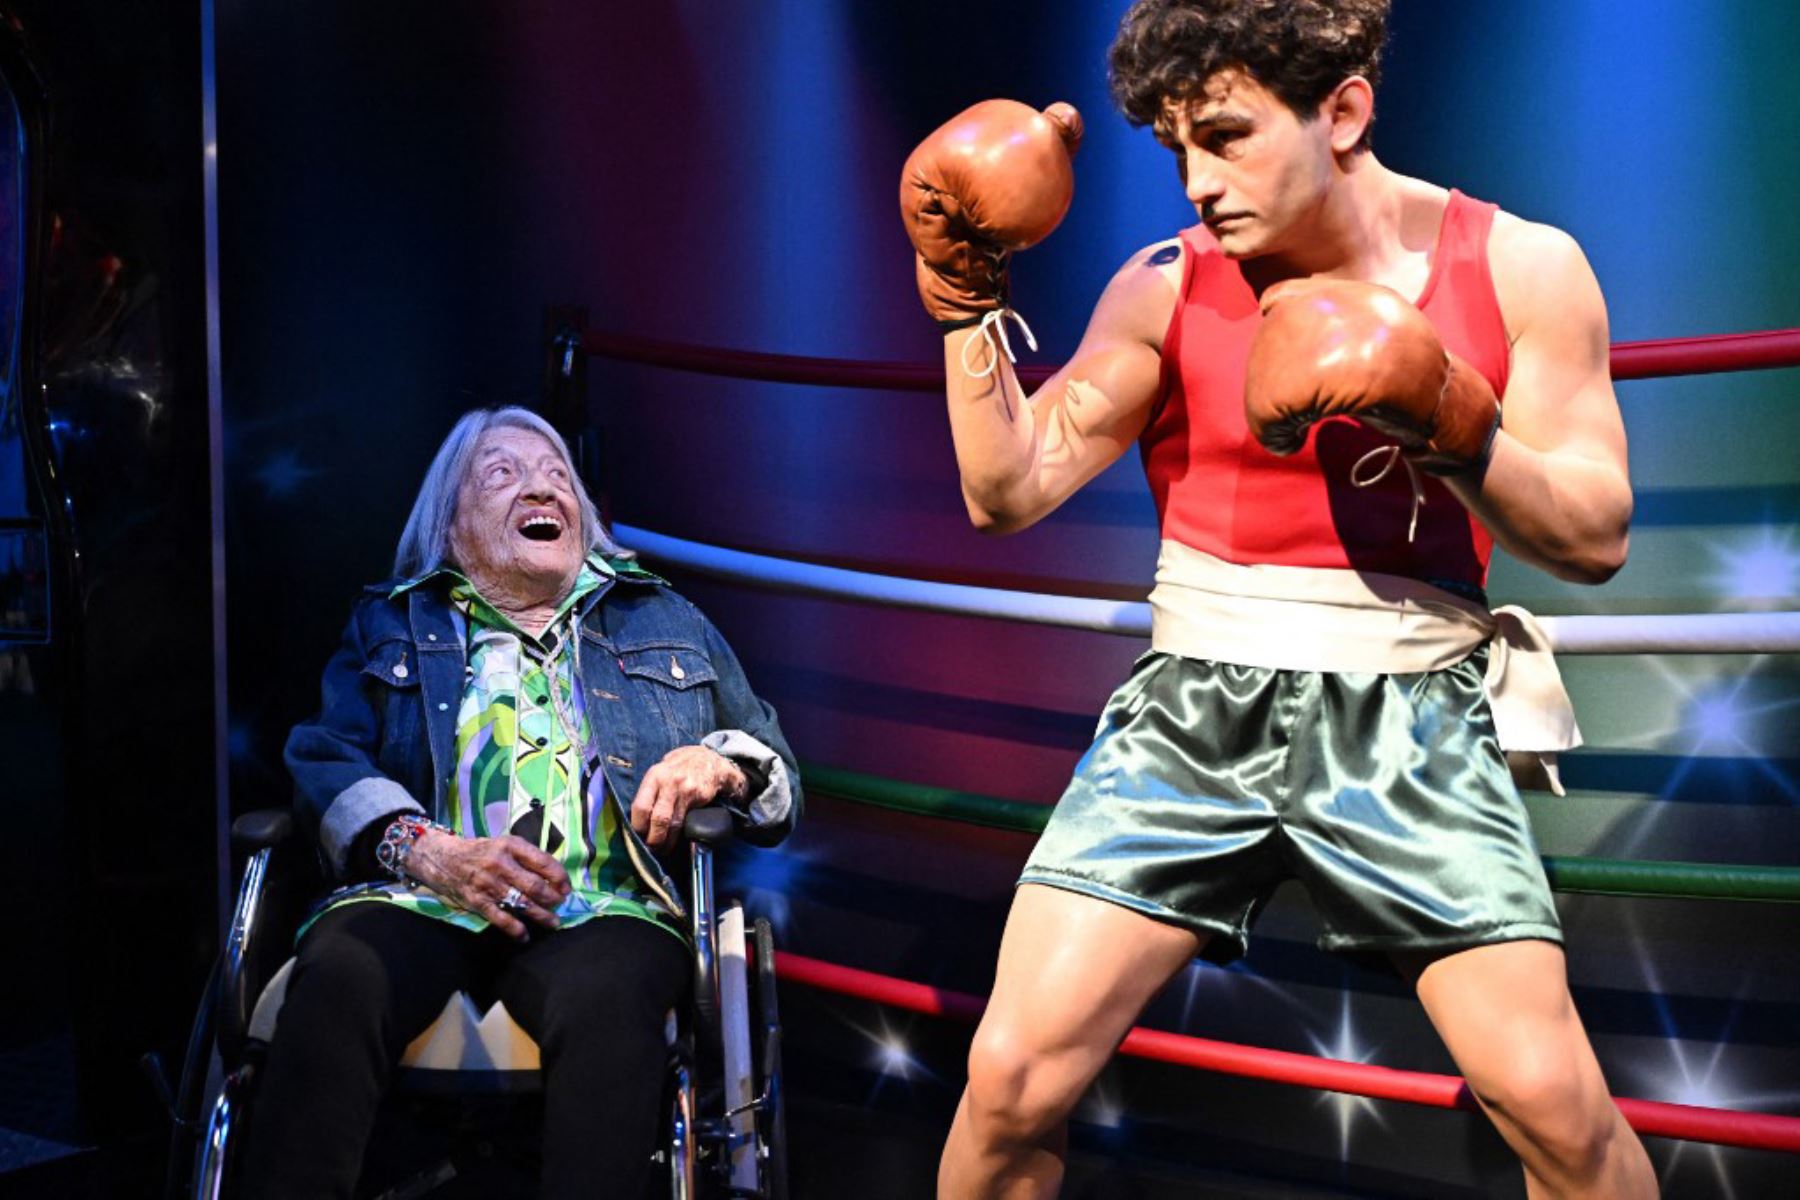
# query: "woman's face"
{"type": "Point", "coordinates": [518, 524]}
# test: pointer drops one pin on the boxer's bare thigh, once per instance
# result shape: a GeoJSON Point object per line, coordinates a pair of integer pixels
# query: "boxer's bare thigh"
{"type": "Point", "coordinates": [1074, 973]}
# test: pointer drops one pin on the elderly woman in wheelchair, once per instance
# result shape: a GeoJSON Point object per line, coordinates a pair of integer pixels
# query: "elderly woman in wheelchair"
{"type": "Point", "coordinates": [510, 737]}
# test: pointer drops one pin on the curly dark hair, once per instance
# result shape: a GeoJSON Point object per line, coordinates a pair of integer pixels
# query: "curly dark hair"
{"type": "Point", "coordinates": [1298, 49]}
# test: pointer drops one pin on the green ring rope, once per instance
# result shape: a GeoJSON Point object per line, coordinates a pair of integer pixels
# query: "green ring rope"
{"type": "Point", "coordinates": [1582, 876]}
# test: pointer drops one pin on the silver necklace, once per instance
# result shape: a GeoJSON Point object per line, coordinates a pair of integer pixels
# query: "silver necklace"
{"type": "Point", "coordinates": [571, 724]}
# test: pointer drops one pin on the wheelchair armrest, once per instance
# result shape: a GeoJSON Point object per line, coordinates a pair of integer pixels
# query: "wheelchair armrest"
{"type": "Point", "coordinates": [261, 829]}
{"type": "Point", "coordinates": [256, 839]}
{"type": "Point", "coordinates": [709, 826]}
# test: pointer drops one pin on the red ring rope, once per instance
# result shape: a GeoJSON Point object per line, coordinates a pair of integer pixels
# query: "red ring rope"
{"type": "Point", "coordinates": [1706, 355]}
{"type": "Point", "coordinates": [1630, 360]}
{"type": "Point", "coordinates": [1725, 1127]}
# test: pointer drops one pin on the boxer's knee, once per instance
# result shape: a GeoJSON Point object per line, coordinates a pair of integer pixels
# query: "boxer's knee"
{"type": "Point", "coordinates": [1018, 1091]}
{"type": "Point", "coordinates": [1558, 1103]}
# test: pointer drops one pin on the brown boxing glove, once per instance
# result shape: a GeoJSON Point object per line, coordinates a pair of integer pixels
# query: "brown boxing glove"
{"type": "Point", "coordinates": [993, 179]}
{"type": "Point", "coordinates": [1338, 347]}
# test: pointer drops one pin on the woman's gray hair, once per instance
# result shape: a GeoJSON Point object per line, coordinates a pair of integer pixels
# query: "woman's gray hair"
{"type": "Point", "coordinates": [425, 542]}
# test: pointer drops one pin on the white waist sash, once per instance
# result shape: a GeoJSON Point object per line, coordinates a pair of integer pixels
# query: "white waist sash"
{"type": "Point", "coordinates": [1313, 619]}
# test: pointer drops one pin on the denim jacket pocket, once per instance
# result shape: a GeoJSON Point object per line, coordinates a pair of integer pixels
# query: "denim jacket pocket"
{"type": "Point", "coordinates": [674, 676]}
{"type": "Point", "coordinates": [680, 665]}
{"type": "Point", "coordinates": [393, 662]}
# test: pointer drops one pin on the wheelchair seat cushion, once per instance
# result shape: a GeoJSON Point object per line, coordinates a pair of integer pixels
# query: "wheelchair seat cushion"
{"type": "Point", "coordinates": [460, 1039]}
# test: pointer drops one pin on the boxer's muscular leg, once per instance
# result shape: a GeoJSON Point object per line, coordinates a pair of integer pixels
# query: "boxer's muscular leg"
{"type": "Point", "coordinates": [1504, 1012]}
{"type": "Point", "coordinates": [1074, 973]}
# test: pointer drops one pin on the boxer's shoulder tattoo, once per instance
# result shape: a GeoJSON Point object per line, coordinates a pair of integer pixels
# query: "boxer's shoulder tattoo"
{"type": "Point", "coordinates": [1165, 256]}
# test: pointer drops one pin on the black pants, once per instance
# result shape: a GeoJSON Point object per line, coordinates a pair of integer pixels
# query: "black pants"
{"type": "Point", "coordinates": [370, 977]}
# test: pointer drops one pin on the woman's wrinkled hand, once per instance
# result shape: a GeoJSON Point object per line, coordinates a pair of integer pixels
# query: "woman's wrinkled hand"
{"type": "Point", "coordinates": [478, 873]}
{"type": "Point", "coordinates": [687, 777]}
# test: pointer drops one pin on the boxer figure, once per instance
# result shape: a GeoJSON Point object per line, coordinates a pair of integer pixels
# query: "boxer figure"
{"type": "Point", "coordinates": [1346, 384]}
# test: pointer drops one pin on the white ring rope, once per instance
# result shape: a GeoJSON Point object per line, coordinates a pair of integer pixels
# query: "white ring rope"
{"type": "Point", "coordinates": [1131, 618]}
{"type": "Point", "coordinates": [1677, 633]}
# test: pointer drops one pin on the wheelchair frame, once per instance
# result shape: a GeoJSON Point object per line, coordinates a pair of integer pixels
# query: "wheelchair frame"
{"type": "Point", "coordinates": [726, 1127]}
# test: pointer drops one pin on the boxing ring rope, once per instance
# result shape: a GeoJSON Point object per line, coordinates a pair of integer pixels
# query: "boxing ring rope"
{"type": "Point", "coordinates": [1699, 633]}
{"type": "Point", "coordinates": [1583, 876]}
{"type": "Point", "coordinates": [1661, 358]}
{"type": "Point", "coordinates": [1710, 633]}
{"type": "Point", "coordinates": [1720, 1126]}
{"type": "Point", "coordinates": [1670, 633]}
{"type": "Point", "coordinates": [1702, 633]}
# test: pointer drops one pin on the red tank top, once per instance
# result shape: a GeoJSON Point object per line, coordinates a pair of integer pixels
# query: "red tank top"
{"type": "Point", "coordinates": [1218, 491]}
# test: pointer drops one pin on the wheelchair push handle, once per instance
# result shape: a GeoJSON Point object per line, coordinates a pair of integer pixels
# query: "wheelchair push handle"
{"type": "Point", "coordinates": [709, 826]}
{"type": "Point", "coordinates": [261, 830]}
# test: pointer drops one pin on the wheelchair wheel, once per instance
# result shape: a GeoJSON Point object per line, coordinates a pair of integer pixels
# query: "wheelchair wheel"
{"type": "Point", "coordinates": [216, 1156]}
{"type": "Point", "coordinates": [684, 1147]}
{"type": "Point", "coordinates": [741, 1149]}
{"type": "Point", "coordinates": [743, 1154]}
{"type": "Point", "coordinates": [772, 1118]}
{"type": "Point", "coordinates": [194, 1088]}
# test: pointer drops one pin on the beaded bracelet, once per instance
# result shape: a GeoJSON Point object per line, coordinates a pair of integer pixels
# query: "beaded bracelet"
{"type": "Point", "coordinates": [397, 841]}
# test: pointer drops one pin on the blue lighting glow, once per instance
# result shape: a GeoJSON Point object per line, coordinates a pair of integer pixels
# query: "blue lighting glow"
{"type": "Point", "coordinates": [241, 741]}
{"type": "Point", "coordinates": [1717, 722]}
{"type": "Point", "coordinates": [1744, 716]}
{"type": "Point", "coordinates": [1763, 571]}
{"type": "Point", "coordinates": [767, 883]}
{"type": "Point", "coordinates": [775, 906]}
{"type": "Point", "coordinates": [282, 473]}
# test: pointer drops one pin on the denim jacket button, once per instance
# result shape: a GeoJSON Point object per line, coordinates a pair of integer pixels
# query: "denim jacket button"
{"type": "Point", "coordinates": [443, 706]}
{"type": "Point", "coordinates": [399, 670]}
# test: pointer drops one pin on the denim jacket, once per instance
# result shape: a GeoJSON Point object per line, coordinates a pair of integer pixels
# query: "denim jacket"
{"type": "Point", "coordinates": [655, 675]}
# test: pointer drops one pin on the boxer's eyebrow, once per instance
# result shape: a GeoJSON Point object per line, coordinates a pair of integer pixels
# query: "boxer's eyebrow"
{"type": "Point", "coordinates": [1170, 133]}
{"type": "Point", "coordinates": [1223, 119]}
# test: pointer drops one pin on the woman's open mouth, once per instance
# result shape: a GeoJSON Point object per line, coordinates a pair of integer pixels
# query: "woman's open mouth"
{"type": "Point", "coordinates": [541, 527]}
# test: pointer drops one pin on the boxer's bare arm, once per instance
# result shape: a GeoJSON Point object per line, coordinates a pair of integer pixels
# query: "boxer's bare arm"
{"type": "Point", "coordinates": [1555, 493]}
{"type": "Point", "coordinates": [1020, 456]}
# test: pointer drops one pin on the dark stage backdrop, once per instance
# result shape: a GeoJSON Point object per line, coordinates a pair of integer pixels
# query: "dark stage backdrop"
{"type": "Point", "coordinates": [107, 794]}
{"type": "Point", "coordinates": [405, 186]}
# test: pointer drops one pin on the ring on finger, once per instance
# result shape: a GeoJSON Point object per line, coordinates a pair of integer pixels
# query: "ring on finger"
{"type": "Point", "coordinates": [513, 900]}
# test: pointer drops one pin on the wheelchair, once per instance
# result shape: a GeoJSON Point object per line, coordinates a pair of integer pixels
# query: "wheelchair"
{"type": "Point", "coordinates": [725, 1123]}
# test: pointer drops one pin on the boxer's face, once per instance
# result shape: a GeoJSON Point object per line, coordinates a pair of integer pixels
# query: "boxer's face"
{"type": "Point", "coordinates": [1255, 172]}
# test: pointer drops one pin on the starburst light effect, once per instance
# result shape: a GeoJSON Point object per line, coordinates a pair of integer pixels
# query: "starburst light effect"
{"type": "Point", "coordinates": [1345, 1047]}
{"type": "Point", "coordinates": [1760, 572]}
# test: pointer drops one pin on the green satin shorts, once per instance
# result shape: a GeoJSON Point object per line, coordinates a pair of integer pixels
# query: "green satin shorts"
{"type": "Point", "coordinates": [1386, 796]}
